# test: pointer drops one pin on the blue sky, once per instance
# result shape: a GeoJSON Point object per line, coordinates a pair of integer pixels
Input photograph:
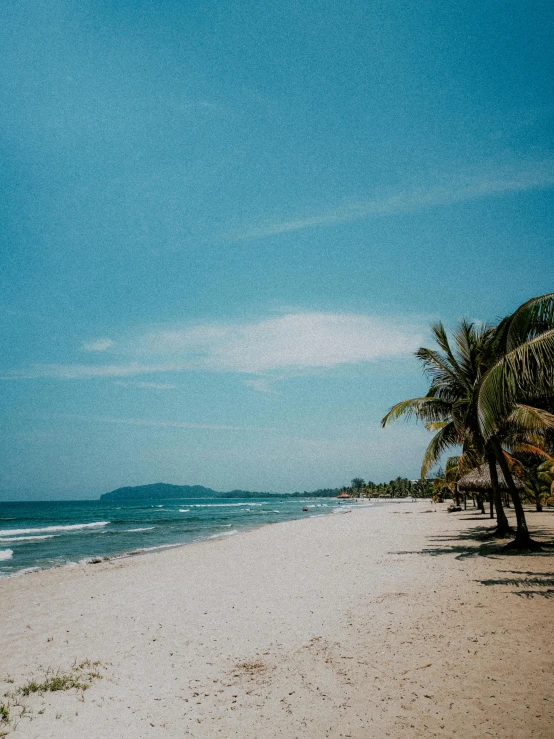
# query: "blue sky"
{"type": "Point", "coordinates": [227, 225]}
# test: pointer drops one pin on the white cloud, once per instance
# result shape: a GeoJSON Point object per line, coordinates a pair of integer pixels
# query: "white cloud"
{"type": "Point", "coordinates": [458, 187]}
{"type": "Point", "coordinates": [307, 340]}
{"type": "Point", "coordinates": [100, 345]}
{"type": "Point", "coordinates": [301, 341]}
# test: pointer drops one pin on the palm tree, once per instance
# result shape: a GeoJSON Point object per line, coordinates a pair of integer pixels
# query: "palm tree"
{"type": "Point", "coordinates": [450, 406]}
{"type": "Point", "coordinates": [445, 481]}
{"type": "Point", "coordinates": [463, 405]}
{"type": "Point", "coordinates": [357, 484]}
{"type": "Point", "coordinates": [518, 386]}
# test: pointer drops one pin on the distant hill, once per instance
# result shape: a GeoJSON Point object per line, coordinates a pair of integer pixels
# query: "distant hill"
{"type": "Point", "coordinates": [159, 491]}
{"type": "Point", "coordinates": [164, 491]}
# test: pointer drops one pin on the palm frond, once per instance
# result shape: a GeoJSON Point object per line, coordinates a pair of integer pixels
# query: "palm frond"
{"type": "Point", "coordinates": [531, 319]}
{"type": "Point", "coordinates": [423, 409]}
{"type": "Point", "coordinates": [468, 350]}
{"type": "Point", "coordinates": [436, 366]}
{"type": "Point", "coordinates": [526, 371]}
{"type": "Point", "coordinates": [444, 439]}
{"type": "Point", "coordinates": [469, 460]}
{"type": "Point", "coordinates": [531, 449]}
{"type": "Point", "coordinates": [441, 337]}
{"type": "Point", "coordinates": [529, 418]}
{"type": "Point", "coordinates": [451, 471]}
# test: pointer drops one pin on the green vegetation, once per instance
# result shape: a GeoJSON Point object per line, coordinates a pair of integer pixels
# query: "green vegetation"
{"type": "Point", "coordinates": [492, 394]}
{"type": "Point", "coordinates": [321, 493]}
{"type": "Point", "coordinates": [80, 677]}
{"type": "Point", "coordinates": [401, 487]}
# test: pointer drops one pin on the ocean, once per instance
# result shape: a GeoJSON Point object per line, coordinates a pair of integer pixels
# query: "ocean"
{"type": "Point", "coordinates": [38, 535]}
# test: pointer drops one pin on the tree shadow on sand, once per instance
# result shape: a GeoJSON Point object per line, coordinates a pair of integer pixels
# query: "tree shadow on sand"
{"type": "Point", "coordinates": [461, 551]}
{"type": "Point", "coordinates": [529, 583]}
{"type": "Point", "coordinates": [480, 541]}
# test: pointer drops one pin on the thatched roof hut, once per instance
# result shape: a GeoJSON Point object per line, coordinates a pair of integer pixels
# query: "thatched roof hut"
{"type": "Point", "coordinates": [479, 480]}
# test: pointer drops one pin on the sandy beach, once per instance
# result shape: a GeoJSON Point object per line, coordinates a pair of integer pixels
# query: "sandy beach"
{"type": "Point", "coordinates": [388, 621]}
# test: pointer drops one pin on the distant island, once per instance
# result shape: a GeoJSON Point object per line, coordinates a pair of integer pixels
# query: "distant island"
{"type": "Point", "coordinates": [165, 491]}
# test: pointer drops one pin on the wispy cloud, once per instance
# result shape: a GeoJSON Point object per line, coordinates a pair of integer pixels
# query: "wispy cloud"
{"type": "Point", "coordinates": [301, 341]}
{"type": "Point", "coordinates": [100, 345]}
{"type": "Point", "coordinates": [88, 371]}
{"type": "Point", "coordinates": [459, 187]}
{"type": "Point", "coordinates": [155, 423]}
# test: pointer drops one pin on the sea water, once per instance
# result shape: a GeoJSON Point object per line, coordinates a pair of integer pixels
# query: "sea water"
{"type": "Point", "coordinates": [49, 534]}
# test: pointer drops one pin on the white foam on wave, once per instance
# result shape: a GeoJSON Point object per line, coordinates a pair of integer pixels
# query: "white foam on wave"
{"type": "Point", "coordinates": [222, 505]}
{"type": "Point", "coordinates": [145, 528]}
{"type": "Point", "coordinates": [12, 539]}
{"type": "Point", "coordinates": [223, 533]}
{"type": "Point", "coordinates": [18, 573]}
{"type": "Point", "coordinates": [6, 554]}
{"type": "Point", "coordinates": [144, 549]}
{"type": "Point", "coordinates": [184, 510]}
{"type": "Point", "coordinates": [71, 527]}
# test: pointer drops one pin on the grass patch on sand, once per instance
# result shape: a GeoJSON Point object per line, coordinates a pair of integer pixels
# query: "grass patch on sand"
{"type": "Point", "coordinates": [80, 676]}
{"type": "Point", "coordinates": [4, 719]}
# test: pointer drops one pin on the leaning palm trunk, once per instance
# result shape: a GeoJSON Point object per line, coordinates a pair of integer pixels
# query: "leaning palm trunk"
{"type": "Point", "coordinates": [523, 539]}
{"type": "Point", "coordinates": [503, 528]}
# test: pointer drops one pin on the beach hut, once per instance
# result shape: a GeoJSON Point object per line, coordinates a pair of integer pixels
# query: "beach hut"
{"type": "Point", "coordinates": [479, 481]}
{"type": "Point", "coordinates": [343, 496]}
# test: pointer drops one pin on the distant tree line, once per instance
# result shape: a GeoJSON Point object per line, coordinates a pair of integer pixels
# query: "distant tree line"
{"type": "Point", "coordinates": [320, 493]}
{"type": "Point", "coordinates": [400, 487]}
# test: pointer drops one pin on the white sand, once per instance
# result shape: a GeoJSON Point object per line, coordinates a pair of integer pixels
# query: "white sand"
{"type": "Point", "coordinates": [325, 627]}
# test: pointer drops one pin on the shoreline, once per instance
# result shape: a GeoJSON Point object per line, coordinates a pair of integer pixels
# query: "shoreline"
{"type": "Point", "coordinates": [141, 551]}
{"type": "Point", "coordinates": [316, 628]}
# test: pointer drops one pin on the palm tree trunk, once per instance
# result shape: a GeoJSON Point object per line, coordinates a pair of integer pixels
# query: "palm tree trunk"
{"type": "Point", "coordinates": [537, 494]}
{"type": "Point", "coordinates": [503, 528]}
{"type": "Point", "coordinates": [523, 538]}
